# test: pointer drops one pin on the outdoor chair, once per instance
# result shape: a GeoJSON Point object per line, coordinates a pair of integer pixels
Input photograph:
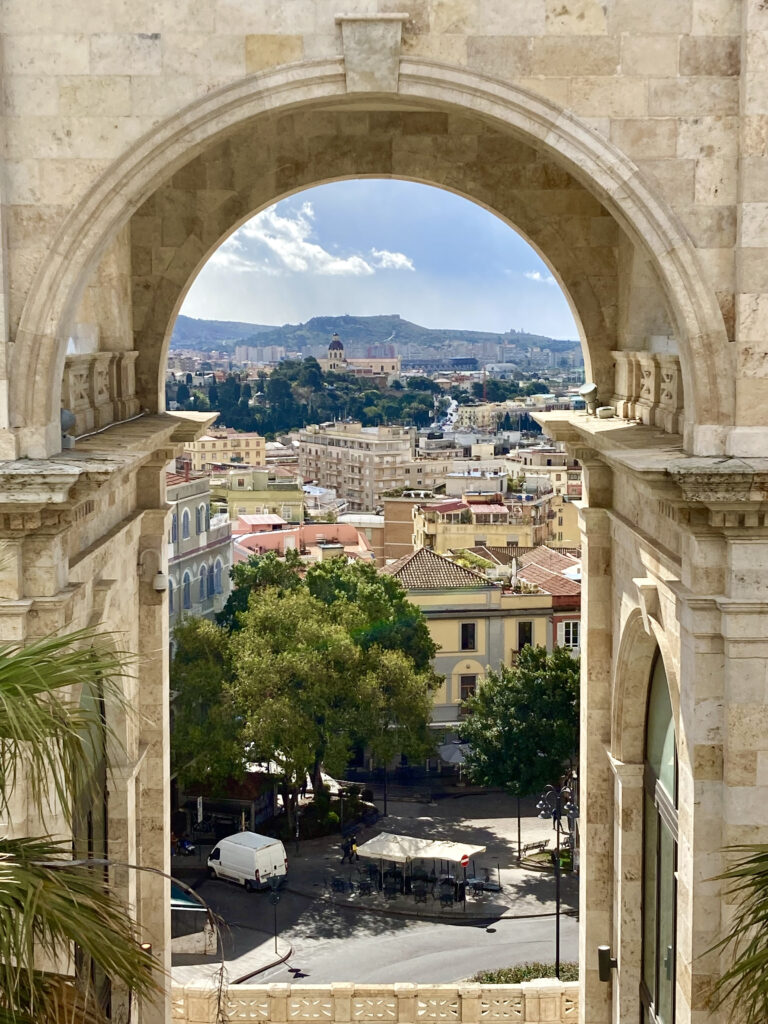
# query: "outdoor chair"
{"type": "Point", "coordinates": [365, 886]}
{"type": "Point", "coordinates": [446, 897]}
{"type": "Point", "coordinates": [339, 884]}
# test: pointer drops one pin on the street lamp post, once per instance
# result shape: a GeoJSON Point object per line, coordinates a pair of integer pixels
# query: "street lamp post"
{"type": "Point", "coordinates": [556, 802]}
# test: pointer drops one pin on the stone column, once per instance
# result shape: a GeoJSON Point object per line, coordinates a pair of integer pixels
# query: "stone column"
{"type": "Point", "coordinates": [595, 797]}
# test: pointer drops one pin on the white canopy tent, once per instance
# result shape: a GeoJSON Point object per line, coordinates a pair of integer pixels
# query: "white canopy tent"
{"type": "Point", "coordinates": [403, 849]}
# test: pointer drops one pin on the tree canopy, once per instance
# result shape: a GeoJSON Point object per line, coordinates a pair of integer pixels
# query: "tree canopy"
{"type": "Point", "coordinates": [304, 669]}
{"type": "Point", "coordinates": [523, 724]}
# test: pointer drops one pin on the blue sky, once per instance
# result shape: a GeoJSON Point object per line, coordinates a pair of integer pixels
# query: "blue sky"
{"type": "Point", "coordinates": [373, 246]}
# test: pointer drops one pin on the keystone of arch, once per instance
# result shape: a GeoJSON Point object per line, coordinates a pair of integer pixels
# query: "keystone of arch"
{"type": "Point", "coordinates": [50, 308]}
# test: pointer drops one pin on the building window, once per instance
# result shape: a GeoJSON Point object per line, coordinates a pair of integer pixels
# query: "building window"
{"type": "Point", "coordinates": [203, 587]}
{"type": "Point", "coordinates": [174, 528]}
{"type": "Point", "coordinates": [467, 686]}
{"type": "Point", "coordinates": [185, 524]}
{"type": "Point", "coordinates": [186, 591]}
{"type": "Point", "coordinates": [468, 636]}
{"type": "Point", "coordinates": [524, 635]}
{"type": "Point", "coordinates": [217, 576]}
{"type": "Point", "coordinates": [207, 513]}
{"type": "Point", "coordinates": [170, 595]}
{"type": "Point", "coordinates": [569, 633]}
{"type": "Point", "coordinates": [657, 988]}
{"type": "Point", "coordinates": [211, 582]}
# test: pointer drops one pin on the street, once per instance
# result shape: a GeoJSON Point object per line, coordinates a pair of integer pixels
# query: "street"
{"type": "Point", "coordinates": [340, 939]}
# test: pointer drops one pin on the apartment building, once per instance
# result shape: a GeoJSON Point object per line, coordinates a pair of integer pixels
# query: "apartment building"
{"type": "Point", "coordinates": [200, 549]}
{"type": "Point", "coordinates": [465, 522]}
{"type": "Point", "coordinates": [220, 447]}
{"type": "Point", "coordinates": [480, 623]}
{"type": "Point", "coordinates": [267, 490]}
{"type": "Point", "coordinates": [547, 467]}
{"type": "Point", "coordinates": [359, 463]}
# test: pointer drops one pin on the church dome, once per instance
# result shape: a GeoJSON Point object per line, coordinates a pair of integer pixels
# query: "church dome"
{"type": "Point", "coordinates": [335, 345]}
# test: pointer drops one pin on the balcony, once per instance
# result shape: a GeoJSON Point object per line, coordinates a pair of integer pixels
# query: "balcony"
{"type": "Point", "coordinates": [533, 1002]}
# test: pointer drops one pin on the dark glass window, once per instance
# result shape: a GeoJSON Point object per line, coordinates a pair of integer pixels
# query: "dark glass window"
{"type": "Point", "coordinates": [524, 634]}
{"type": "Point", "coordinates": [659, 855]}
{"type": "Point", "coordinates": [468, 636]}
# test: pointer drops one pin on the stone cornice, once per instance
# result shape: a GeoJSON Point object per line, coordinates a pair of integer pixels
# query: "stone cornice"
{"type": "Point", "coordinates": [32, 486]}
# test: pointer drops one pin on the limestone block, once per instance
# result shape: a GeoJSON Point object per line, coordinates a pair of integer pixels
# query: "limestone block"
{"type": "Point", "coordinates": [46, 54]}
{"type": "Point", "coordinates": [653, 138]}
{"type": "Point", "coordinates": [609, 97]}
{"type": "Point", "coordinates": [754, 224]}
{"type": "Point", "coordinates": [716, 181]}
{"type": "Point", "coordinates": [715, 17]}
{"type": "Point", "coordinates": [266, 51]}
{"type": "Point", "coordinates": [135, 53]}
{"type": "Point", "coordinates": [214, 59]}
{"type": "Point", "coordinates": [510, 17]}
{"type": "Point", "coordinates": [708, 136]}
{"type": "Point", "coordinates": [753, 265]}
{"type": "Point", "coordinates": [710, 227]}
{"type": "Point", "coordinates": [755, 99]}
{"type": "Point", "coordinates": [649, 55]}
{"type": "Point", "coordinates": [754, 178]}
{"type": "Point", "coordinates": [689, 96]}
{"type": "Point", "coordinates": [454, 16]}
{"type": "Point", "coordinates": [86, 95]}
{"type": "Point", "coordinates": [31, 94]}
{"type": "Point", "coordinates": [675, 179]}
{"type": "Point", "coordinates": [575, 18]}
{"type": "Point", "coordinates": [717, 55]}
{"type": "Point", "coordinates": [558, 90]}
{"type": "Point", "coordinates": [503, 56]}
{"type": "Point", "coordinates": [588, 55]}
{"type": "Point", "coordinates": [755, 135]}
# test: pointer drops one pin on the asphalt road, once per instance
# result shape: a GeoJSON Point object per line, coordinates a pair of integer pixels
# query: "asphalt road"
{"type": "Point", "coordinates": [333, 943]}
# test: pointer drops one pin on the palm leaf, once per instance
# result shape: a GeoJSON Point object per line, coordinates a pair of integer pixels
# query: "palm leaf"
{"type": "Point", "coordinates": [42, 726]}
{"type": "Point", "coordinates": [744, 985]}
{"type": "Point", "coordinates": [47, 903]}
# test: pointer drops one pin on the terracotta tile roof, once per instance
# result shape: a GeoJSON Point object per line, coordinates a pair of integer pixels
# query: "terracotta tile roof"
{"type": "Point", "coordinates": [504, 555]}
{"type": "Point", "coordinates": [551, 582]}
{"type": "Point", "coordinates": [426, 570]}
{"type": "Point", "coordinates": [548, 558]}
{"type": "Point", "coordinates": [479, 509]}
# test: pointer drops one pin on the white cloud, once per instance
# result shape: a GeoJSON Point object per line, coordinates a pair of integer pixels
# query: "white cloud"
{"type": "Point", "coordinates": [275, 243]}
{"type": "Point", "coordinates": [538, 277]}
{"type": "Point", "coordinates": [392, 260]}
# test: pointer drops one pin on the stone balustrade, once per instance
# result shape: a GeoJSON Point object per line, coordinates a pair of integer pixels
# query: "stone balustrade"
{"type": "Point", "coordinates": [547, 1001]}
{"type": "Point", "coordinates": [99, 388]}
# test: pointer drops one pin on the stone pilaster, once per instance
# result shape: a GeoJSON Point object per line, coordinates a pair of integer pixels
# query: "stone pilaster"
{"type": "Point", "coordinates": [627, 944]}
{"type": "Point", "coordinates": [595, 825]}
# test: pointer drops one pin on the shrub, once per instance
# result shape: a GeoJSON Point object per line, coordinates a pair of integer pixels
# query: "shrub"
{"type": "Point", "coordinates": [527, 972]}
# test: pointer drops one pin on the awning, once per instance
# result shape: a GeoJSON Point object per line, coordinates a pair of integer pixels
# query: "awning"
{"type": "Point", "coordinates": [181, 900]}
{"type": "Point", "coordinates": [401, 849]}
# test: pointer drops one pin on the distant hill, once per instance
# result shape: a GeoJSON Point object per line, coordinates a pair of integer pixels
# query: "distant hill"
{"type": "Point", "coordinates": [357, 333]}
{"type": "Point", "coordinates": [207, 334]}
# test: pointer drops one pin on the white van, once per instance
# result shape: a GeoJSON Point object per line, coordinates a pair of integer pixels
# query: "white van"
{"type": "Point", "coordinates": [249, 859]}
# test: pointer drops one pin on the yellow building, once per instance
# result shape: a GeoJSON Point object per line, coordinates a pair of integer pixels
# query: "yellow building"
{"type": "Point", "coordinates": [476, 623]}
{"type": "Point", "coordinates": [226, 446]}
{"type": "Point", "coordinates": [385, 369]}
{"type": "Point", "coordinates": [249, 491]}
{"type": "Point", "coordinates": [458, 523]}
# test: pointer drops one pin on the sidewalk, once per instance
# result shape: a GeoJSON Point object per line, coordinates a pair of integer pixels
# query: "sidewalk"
{"type": "Point", "coordinates": [242, 960]}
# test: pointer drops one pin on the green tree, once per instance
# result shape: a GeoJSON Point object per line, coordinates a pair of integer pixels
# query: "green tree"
{"type": "Point", "coordinates": [523, 725]}
{"type": "Point", "coordinates": [182, 394]}
{"type": "Point", "coordinates": [47, 900]}
{"type": "Point", "coordinates": [206, 743]}
{"type": "Point", "coordinates": [259, 572]}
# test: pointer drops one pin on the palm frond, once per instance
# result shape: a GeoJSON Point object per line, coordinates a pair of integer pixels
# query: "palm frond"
{"type": "Point", "coordinates": [744, 985]}
{"type": "Point", "coordinates": [45, 729]}
{"type": "Point", "coordinates": [47, 903]}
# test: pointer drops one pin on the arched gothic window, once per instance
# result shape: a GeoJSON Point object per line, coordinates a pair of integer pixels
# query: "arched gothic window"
{"type": "Point", "coordinates": [174, 528]}
{"type": "Point", "coordinates": [186, 591]}
{"type": "Point", "coordinates": [203, 588]}
{"type": "Point", "coordinates": [659, 854]}
{"type": "Point", "coordinates": [207, 517]}
{"type": "Point", "coordinates": [217, 579]}
{"type": "Point", "coordinates": [170, 595]}
{"type": "Point", "coordinates": [211, 582]}
{"type": "Point", "coordinates": [185, 524]}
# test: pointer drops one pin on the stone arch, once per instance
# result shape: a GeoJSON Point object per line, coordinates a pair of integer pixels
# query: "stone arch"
{"type": "Point", "coordinates": [631, 684]}
{"type": "Point", "coordinates": [39, 349]}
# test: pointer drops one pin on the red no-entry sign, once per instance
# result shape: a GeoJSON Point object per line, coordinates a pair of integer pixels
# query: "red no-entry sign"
{"type": "Point", "coordinates": [464, 861]}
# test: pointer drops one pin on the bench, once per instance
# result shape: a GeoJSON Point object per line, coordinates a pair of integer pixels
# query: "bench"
{"type": "Point", "coordinates": [538, 847]}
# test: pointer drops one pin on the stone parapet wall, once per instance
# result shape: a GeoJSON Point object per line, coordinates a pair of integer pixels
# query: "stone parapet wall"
{"type": "Point", "coordinates": [547, 1001]}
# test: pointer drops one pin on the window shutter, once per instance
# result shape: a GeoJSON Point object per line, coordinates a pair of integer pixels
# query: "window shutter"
{"type": "Point", "coordinates": [561, 634]}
